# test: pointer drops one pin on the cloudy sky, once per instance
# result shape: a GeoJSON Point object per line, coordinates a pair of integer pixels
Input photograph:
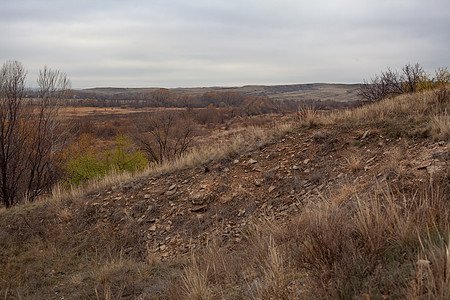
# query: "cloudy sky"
{"type": "Point", "coordinates": [181, 43]}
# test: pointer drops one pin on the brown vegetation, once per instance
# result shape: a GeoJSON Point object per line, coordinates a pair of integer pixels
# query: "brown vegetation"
{"type": "Point", "coordinates": [347, 205]}
{"type": "Point", "coordinates": [31, 135]}
{"type": "Point", "coordinates": [244, 197]}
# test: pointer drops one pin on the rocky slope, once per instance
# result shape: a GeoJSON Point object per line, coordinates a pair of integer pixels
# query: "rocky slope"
{"type": "Point", "coordinates": [175, 213]}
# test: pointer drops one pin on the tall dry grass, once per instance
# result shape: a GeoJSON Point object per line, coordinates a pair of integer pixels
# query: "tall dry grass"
{"type": "Point", "coordinates": [365, 247]}
{"type": "Point", "coordinates": [418, 114]}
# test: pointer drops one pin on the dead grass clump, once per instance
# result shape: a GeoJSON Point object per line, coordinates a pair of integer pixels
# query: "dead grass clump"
{"type": "Point", "coordinates": [404, 115]}
{"type": "Point", "coordinates": [355, 163]}
{"type": "Point", "coordinates": [255, 270]}
{"type": "Point", "coordinates": [440, 126]}
{"type": "Point", "coordinates": [195, 281]}
{"type": "Point", "coordinates": [309, 117]}
{"type": "Point", "coordinates": [368, 246]}
{"type": "Point", "coordinates": [432, 269]}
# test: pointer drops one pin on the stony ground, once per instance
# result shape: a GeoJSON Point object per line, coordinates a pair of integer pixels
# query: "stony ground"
{"type": "Point", "coordinates": [174, 213]}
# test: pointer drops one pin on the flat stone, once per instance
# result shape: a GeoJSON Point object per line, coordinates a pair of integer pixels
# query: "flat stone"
{"type": "Point", "coordinates": [171, 193]}
{"type": "Point", "coordinates": [198, 199]}
{"type": "Point", "coordinates": [199, 208]}
{"type": "Point", "coordinates": [423, 165]}
{"type": "Point", "coordinates": [172, 187]}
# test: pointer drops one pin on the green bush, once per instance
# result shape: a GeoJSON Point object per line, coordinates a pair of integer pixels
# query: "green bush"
{"type": "Point", "coordinates": [122, 157]}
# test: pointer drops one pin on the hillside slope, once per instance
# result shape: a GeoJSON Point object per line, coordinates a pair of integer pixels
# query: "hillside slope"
{"type": "Point", "coordinates": [349, 205]}
{"type": "Point", "coordinates": [297, 92]}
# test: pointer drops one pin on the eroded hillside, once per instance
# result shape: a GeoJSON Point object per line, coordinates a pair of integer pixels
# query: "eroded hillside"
{"type": "Point", "coordinates": [342, 205]}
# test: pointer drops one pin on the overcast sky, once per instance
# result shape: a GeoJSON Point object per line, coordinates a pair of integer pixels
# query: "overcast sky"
{"type": "Point", "coordinates": [181, 43]}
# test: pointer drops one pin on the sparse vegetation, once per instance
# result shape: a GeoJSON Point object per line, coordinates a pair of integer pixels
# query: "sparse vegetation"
{"type": "Point", "coordinates": [409, 79]}
{"type": "Point", "coordinates": [31, 137]}
{"type": "Point", "coordinates": [352, 205]}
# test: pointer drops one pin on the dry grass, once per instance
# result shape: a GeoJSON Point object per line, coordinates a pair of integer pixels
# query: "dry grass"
{"type": "Point", "coordinates": [365, 241]}
{"type": "Point", "coordinates": [440, 125]}
{"type": "Point", "coordinates": [245, 140]}
{"type": "Point", "coordinates": [365, 247]}
{"type": "Point", "coordinates": [432, 271]}
{"type": "Point", "coordinates": [410, 115]}
{"type": "Point", "coordinates": [355, 163]}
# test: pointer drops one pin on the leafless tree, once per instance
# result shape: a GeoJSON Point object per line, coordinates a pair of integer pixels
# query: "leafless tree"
{"type": "Point", "coordinates": [28, 133]}
{"type": "Point", "coordinates": [13, 132]}
{"type": "Point", "coordinates": [165, 135]}
{"type": "Point", "coordinates": [392, 82]}
{"type": "Point", "coordinates": [48, 137]}
{"type": "Point", "coordinates": [411, 77]}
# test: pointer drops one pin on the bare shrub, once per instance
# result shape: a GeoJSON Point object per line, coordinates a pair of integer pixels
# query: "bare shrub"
{"type": "Point", "coordinates": [392, 82]}
{"type": "Point", "coordinates": [30, 134]}
{"type": "Point", "coordinates": [165, 135]}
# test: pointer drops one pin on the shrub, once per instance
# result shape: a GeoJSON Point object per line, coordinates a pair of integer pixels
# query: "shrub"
{"type": "Point", "coordinates": [411, 78]}
{"type": "Point", "coordinates": [441, 78]}
{"type": "Point", "coordinates": [123, 157]}
{"type": "Point", "coordinates": [165, 135]}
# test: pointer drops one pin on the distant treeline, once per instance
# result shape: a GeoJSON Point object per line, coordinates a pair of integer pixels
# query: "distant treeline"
{"type": "Point", "coordinates": [165, 98]}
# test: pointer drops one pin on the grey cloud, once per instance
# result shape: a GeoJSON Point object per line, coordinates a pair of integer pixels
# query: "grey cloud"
{"type": "Point", "coordinates": [184, 43]}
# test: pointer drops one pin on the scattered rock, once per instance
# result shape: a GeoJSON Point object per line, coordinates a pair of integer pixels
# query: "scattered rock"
{"type": "Point", "coordinates": [306, 161]}
{"type": "Point", "coordinates": [147, 196]}
{"type": "Point", "coordinates": [295, 167]}
{"type": "Point", "coordinates": [172, 187]}
{"type": "Point", "coordinates": [252, 161]}
{"type": "Point", "coordinates": [271, 188]}
{"type": "Point", "coordinates": [236, 161]}
{"type": "Point", "coordinates": [153, 227]}
{"type": "Point", "coordinates": [258, 182]}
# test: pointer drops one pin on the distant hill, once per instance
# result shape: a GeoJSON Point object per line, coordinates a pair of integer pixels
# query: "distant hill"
{"type": "Point", "coordinates": [310, 91]}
